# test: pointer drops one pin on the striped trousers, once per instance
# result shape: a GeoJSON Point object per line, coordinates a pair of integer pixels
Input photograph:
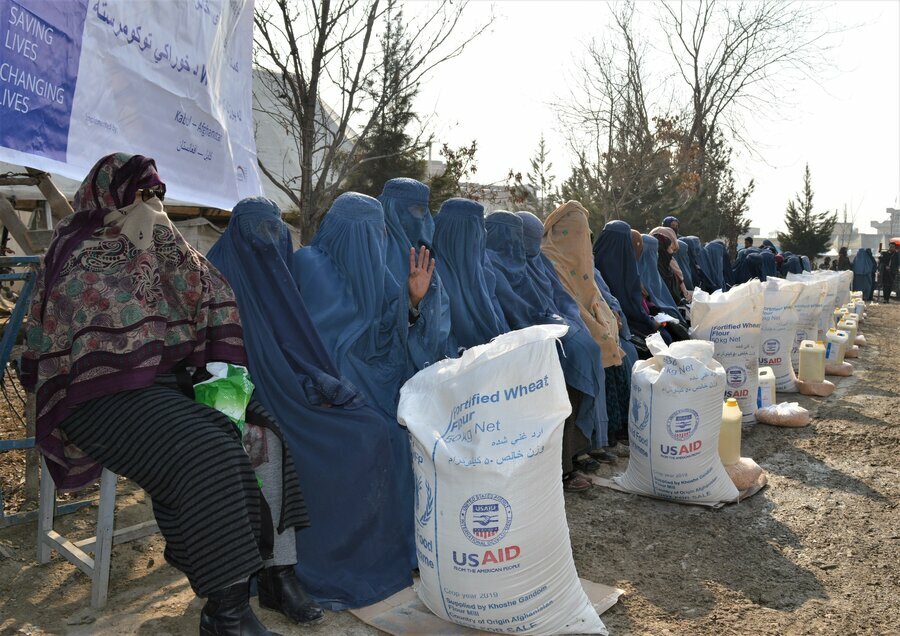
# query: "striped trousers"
{"type": "Point", "coordinates": [189, 459]}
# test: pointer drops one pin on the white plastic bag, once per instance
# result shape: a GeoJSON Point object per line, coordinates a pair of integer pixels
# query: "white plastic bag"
{"type": "Point", "coordinates": [674, 423]}
{"type": "Point", "coordinates": [731, 321]}
{"type": "Point", "coordinates": [779, 327]}
{"type": "Point", "coordinates": [491, 530]}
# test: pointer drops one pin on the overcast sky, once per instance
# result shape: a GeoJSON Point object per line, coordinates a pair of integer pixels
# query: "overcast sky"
{"type": "Point", "coordinates": [846, 124]}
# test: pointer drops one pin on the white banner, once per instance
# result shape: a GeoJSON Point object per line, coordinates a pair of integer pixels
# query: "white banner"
{"type": "Point", "coordinates": [168, 79]}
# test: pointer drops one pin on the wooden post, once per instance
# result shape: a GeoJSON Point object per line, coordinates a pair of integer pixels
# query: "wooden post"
{"type": "Point", "coordinates": [9, 218]}
{"type": "Point", "coordinates": [32, 457]}
{"type": "Point", "coordinates": [59, 205]}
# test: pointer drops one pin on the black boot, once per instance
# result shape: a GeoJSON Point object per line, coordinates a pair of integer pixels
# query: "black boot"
{"type": "Point", "coordinates": [228, 613]}
{"type": "Point", "coordinates": [280, 590]}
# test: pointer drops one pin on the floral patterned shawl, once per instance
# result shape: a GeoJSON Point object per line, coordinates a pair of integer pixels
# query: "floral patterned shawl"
{"type": "Point", "coordinates": [122, 297]}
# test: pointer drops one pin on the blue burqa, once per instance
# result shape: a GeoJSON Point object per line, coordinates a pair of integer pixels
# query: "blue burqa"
{"type": "Point", "coordinates": [804, 260]}
{"type": "Point", "coordinates": [631, 354]}
{"type": "Point", "coordinates": [684, 262]}
{"type": "Point", "coordinates": [768, 266]}
{"type": "Point", "coordinates": [362, 315]}
{"type": "Point", "coordinates": [352, 554]}
{"type": "Point", "coordinates": [527, 300]}
{"type": "Point", "coordinates": [713, 263]}
{"type": "Point", "coordinates": [863, 269]}
{"type": "Point", "coordinates": [459, 244]}
{"type": "Point", "coordinates": [615, 259]}
{"type": "Point", "coordinates": [698, 257]}
{"type": "Point", "coordinates": [647, 268]}
{"type": "Point", "coordinates": [409, 224]}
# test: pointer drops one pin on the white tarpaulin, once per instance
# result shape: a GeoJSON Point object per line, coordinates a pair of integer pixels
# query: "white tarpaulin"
{"type": "Point", "coordinates": [168, 79]}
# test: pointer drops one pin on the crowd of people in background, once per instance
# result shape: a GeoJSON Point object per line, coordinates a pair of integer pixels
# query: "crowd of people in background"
{"type": "Point", "coordinates": [127, 315]}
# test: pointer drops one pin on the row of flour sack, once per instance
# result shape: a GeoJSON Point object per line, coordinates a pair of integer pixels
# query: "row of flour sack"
{"type": "Point", "coordinates": [732, 321]}
{"type": "Point", "coordinates": [491, 533]}
{"type": "Point", "coordinates": [674, 424]}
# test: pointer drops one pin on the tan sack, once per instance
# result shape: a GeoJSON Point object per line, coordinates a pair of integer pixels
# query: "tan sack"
{"type": "Point", "coordinates": [852, 352]}
{"type": "Point", "coordinates": [744, 473]}
{"type": "Point", "coordinates": [818, 389]}
{"type": "Point", "coordinates": [842, 369]}
{"type": "Point", "coordinates": [786, 414]}
{"type": "Point", "coordinates": [860, 340]}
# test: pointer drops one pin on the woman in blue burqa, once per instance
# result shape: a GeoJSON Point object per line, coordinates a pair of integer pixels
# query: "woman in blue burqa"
{"type": "Point", "coordinates": [459, 244]}
{"type": "Point", "coordinates": [410, 230]}
{"type": "Point", "coordinates": [616, 259]}
{"type": "Point", "coordinates": [352, 554]}
{"type": "Point", "coordinates": [364, 316]}
{"type": "Point", "coordinates": [525, 302]}
{"type": "Point", "coordinates": [864, 267]}
{"type": "Point", "coordinates": [720, 265]}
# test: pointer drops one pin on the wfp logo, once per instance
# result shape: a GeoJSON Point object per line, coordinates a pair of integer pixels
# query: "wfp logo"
{"type": "Point", "coordinates": [771, 347]}
{"type": "Point", "coordinates": [682, 424]}
{"type": "Point", "coordinates": [424, 501]}
{"type": "Point", "coordinates": [736, 376]}
{"type": "Point", "coordinates": [485, 519]}
{"type": "Point", "coordinates": [640, 413]}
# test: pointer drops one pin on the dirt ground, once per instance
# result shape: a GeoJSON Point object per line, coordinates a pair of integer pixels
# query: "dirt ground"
{"type": "Point", "coordinates": [816, 552]}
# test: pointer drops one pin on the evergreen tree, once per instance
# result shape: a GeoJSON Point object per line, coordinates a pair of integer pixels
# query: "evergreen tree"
{"type": "Point", "coordinates": [808, 233]}
{"type": "Point", "coordinates": [541, 179]}
{"type": "Point", "coordinates": [388, 151]}
{"type": "Point", "coordinates": [460, 166]}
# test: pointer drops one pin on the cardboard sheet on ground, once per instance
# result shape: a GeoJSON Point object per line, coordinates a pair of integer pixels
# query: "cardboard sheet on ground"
{"type": "Point", "coordinates": [403, 614]}
{"type": "Point", "coordinates": [743, 494]}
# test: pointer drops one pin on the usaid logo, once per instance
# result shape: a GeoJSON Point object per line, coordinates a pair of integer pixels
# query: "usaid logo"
{"type": "Point", "coordinates": [485, 519]}
{"type": "Point", "coordinates": [771, 347]}
{"type": "Point", "coordinates": [682, 424]}
{"type": "Point", "coordinates": [736, 376]}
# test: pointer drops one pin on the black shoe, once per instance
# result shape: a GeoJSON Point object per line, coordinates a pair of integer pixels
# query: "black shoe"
{"type": "Point", "coordinates": [228, 613]}
{"type": "Point", "coordinates": [280, 590]}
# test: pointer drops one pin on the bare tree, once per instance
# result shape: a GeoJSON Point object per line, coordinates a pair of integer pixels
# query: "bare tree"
{"type": "Point", "coordinates": [735, 58]}
{"type": "Point", "coordinates": [317, 61]}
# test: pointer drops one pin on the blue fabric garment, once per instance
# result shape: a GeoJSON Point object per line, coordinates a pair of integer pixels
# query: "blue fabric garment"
{"type": "Point", "coordinates": [352, 554]}
{"type": "Point", "coordinates": [745, 267]}
{"type": "Point", "coordinates": [697, 255]}
{"type": "Point", "coordinates": [362, 316]}
{"type": "Point", "coordinates": [459, 245]}
{"type": "Point", "coordinates": [769, 244]}
{"type": "Point", "coordinates": [684, 262]}
{"type": "Point", "coordinates": [580, 348]}
{"type": "Point", "coordinates": [647, 267]}
{"type": "Point", "coordinates": [524, 304]}
{"type": "Point", "coordinates": [614, 257]}
{"type": "Point", "coordinates": [631, 354]}
{"type": "Point", "coordinates": [864, 266]}
{"type": "Point", "coordinates": [409, 224]}
{"type": "Point", "coordinates": [768, 267]}
{"type": "Point", "coordinates": [806, 265]}
{"type": "Point", "coordinates": [712, 264]}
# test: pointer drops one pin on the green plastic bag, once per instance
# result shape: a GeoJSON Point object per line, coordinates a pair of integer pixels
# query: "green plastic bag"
{"type": "Point", "coordinates": [228, 391]}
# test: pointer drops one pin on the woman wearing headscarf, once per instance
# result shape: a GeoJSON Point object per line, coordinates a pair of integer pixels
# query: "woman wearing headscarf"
{"type": "Point", "coordinates": [567, 243]}
{"type": "Point", "coordinates": [124, 310]}
{"type": "Point", "coordinates": [668, 265]}
{"type": "Point", "coordinates": [768, 265]}
{"type": "Point", "coordinates": [362, 315]}
{"type": "Point", "coordinates": [615, 257]}
{"type": "Point", "coordinates": [352, 555]}
{"type": "Point", "coordinates": [525, 303]}
{"type": "Point", "coordinates": [843, 261]}
{"type": "Point", "coordinates": [863, 267]}
{"type": "Point", "coordinates": [410, 229]}
{"type": "Point", "coordinates": [459, 244]}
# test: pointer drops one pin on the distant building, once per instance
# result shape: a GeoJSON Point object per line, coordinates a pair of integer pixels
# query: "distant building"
{"type": "Point", "coordinates": [885, 230]}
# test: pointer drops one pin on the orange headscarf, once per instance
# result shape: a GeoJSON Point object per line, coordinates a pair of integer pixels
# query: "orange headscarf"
{"type": "Point", "coordinates": [567, 243]}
